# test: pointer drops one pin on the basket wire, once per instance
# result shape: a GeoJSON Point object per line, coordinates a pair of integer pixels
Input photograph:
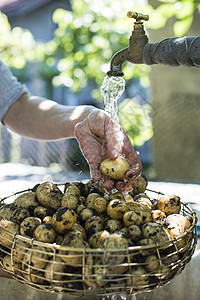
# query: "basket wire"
{"type": "Point", "coordinates": [99, 271]}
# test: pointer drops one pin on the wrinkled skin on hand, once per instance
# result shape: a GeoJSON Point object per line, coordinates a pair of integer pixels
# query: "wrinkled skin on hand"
{"type": "Point", "coordinates": [100, 137]}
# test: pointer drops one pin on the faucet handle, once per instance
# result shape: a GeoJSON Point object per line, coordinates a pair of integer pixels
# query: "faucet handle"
{"type": "Point", "coordinates": [137, 16]}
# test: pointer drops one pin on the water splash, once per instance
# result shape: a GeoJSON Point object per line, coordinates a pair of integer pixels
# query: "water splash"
{"type": "Point", "coordinates": [111, 90]}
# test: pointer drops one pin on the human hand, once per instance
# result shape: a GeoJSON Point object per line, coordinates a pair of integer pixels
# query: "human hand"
{"type": "Point", "coordinates": [100, 137]}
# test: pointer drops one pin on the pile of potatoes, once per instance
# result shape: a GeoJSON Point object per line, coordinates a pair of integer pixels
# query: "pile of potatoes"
{"type": "Point", "coordinates": [85, 216]}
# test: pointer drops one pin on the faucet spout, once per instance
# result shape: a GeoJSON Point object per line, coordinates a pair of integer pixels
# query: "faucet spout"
{"type": "Point", "coordinates": [134, 52]}
{"type": "Point", "coordinates": [117, 61]}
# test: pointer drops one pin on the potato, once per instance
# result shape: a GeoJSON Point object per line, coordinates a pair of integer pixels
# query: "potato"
{"type": "Point", "coordinates": [20, 248]}
{"type": "Point", "coordinates": [145, 201]}
{"type": "Point", "coordinates": [116, 209]}
{"type": "Point", "coordinates": [42, 212]}
{"type": "Point", "coordinates": [7, 231]}
{"type": "Point", "coordinates": [158, 215]}
{"type": "Point", "coordinates": [11, 266]}
{"type": "Point", "coordinates": [156, 232]}
{"type": "Point", "coordinates": [169, 204]}
{"type": "Point", "coordinates": [152, 263]}
{"type": "Point", "coordinates": [134, 232]}
{"type": "Point", "coordinates": [36, 257]}
{"type": "Point", "coordinates": [48, 194]}
{"type": "Point", "coordinates": [89, 201]}
{"type": "Point", "coordinates": [139, 278]}
{"type": "Point", "coordinates": [28, 226]}
{"type": "Point", "coordinates": [79, 231]}
{"type": "Point", "coordinates": [93, 224]}
{"type": "Point", "coordinates": [19, 214]}
{"type": "Point", "coordinates": [113, 225]}
{"type": "Point", "coordinates": [34, 277]}
{"type": "Point", "coordinates": [176, 225]}
{"type": "Point", "coordinates": [44, 233]}
{"type": "Point", "coordinates": [27, 200]}
{"type": "Point", "coordinates": [73, 258]}
{"type": "Point", "coordinates": [100, 204]}
{"type": "Point", "coordinates": [138, 214]}
{"type": "Point", "coordinates": [6, 213]}
{"type": "Point", "coordinates": [147, 242]}
{"type": "Point", "coordinates": [115, 241]}
{"type": "Point", "coordinates": [114, 169]}
{"type": "Point", "coordinates": [70, 200]}
{"type": "Point", "coordinates": [55, 269]}
{"type": "Point", "coordinates": [96, 239]}
{"type": "Point", "coordinates": [139, 185]}
{"type": "Point", "coordinates": [73, 189]}
{"type": "Point", "coordinates": [63, 219]}
{"type": "Point", "coordinates": [86, 213]}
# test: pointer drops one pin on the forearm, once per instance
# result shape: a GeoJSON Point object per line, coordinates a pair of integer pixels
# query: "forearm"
{"type": "Point", "coordinates": [39, 118]}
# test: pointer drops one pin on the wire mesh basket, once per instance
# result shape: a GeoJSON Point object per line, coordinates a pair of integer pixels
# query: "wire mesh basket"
{"type": "Point", "coordinates": [101, 272]}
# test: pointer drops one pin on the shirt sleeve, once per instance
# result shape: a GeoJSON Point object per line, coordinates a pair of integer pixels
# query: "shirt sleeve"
{"type": "Point", "coordinates": [10, 89]}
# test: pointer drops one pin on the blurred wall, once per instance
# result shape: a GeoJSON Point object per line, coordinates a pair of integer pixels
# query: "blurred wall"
{"type": "Point", "coordinates": [176, 115]}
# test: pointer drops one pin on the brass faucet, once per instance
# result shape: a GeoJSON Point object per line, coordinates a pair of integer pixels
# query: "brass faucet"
{"type": "Point", "coordinates": [183, 51]}
{"type": "Point", "coordinates": [133, 53]}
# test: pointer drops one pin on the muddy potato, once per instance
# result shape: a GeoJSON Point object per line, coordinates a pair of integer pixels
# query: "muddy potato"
{"type": "Point", "coordinates": [19, 214]}
{"type": "Point", "coordinates": [28, 226]}
{"type": "Point", "coordinates": [140, 195]}
{"type": "Point", "coordinates": [138, 214]}
{"type": "Point", "coordinates": [76, 230]}
{"type": "Point", "coordinates": [73, 258]}
{"type": "Point", "coordinates": [63, 219]}
{"type": "Point", "coordinates": [7, 229]}
{"type": "Point", "coordinates": [27, 200]}
{"type": "Point", "coordinates": [134, 233]}
{"type": "Point", "coordinates": [176, 225]}
{"type": "Point", "coordinates": [89, 201]}
{"type": "Point", "coordinates": [124, 230]}
{"type": "Point", "coordinates": [93, 224]}
{"type": "Point", "coordinates": [156, 232]}
{"type": "Point", "coordinates": [139, 278]}
{"type": "Point", "coordinates": [20, 248]}
{"type": "Point", "coordinates": [48, 194]}
{"type": "Point", "coordinates": [6, 213]}
{"type": "Point", "coordinates": [152, 263]}
{"type": "Point", "coordinates": [113, 225]}
{"type": "Point", "coordinates": [10, 265]}
{"type": "Point", "coordinates": [59, 239]}
{"type": "Point", "coordinates": [145, 201]}
{"type": "Point", "coordinates": [158, 215]}
{"type": "Point", "coordinates": [43, 212]}
{"type": "Point", "coordinates": [116, 209]}
{"type": "Point", "coordinates": [139, 185]}
{"type": "Point", "coordinates": [100, 205]}
{"type": "Point", "coordinates": [96, 239]}
{"type": "Point", "coordinates": [86, 213]}
{"type": "Point", "coordinates": [73, 189]}
{"type": "Point", "coordinates": [117, 195]}
{"type": "Point", "coordinates": [55, 269]}
{"type": "Point", "coordinates": [147, 242]}
{"type": "Point", "coordinates": [44, 233]}
{"type": "Point", "coordinates": [36, 257]}
{"type": "Point", "coordinates": [115, 241]}
{"type": "Point", "coordinates": [114, 169]}
{"type": "Point", "coordinates": [169, 204]}
{"type": "Point", "coordinates": [70, 200]}
{"type": "Point", "coordinates": [34, 277]}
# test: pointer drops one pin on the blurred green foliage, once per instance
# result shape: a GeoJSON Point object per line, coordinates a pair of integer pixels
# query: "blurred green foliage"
{"type": "Point", "coordinates": [85, 40]}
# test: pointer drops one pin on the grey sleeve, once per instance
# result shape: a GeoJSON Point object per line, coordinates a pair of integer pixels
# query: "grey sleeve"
{"type": "Point", "coordinates": [10, 89]}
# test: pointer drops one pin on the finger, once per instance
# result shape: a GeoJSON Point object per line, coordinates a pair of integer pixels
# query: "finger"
{"type": "Point", "coordinates": [94, 171]}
